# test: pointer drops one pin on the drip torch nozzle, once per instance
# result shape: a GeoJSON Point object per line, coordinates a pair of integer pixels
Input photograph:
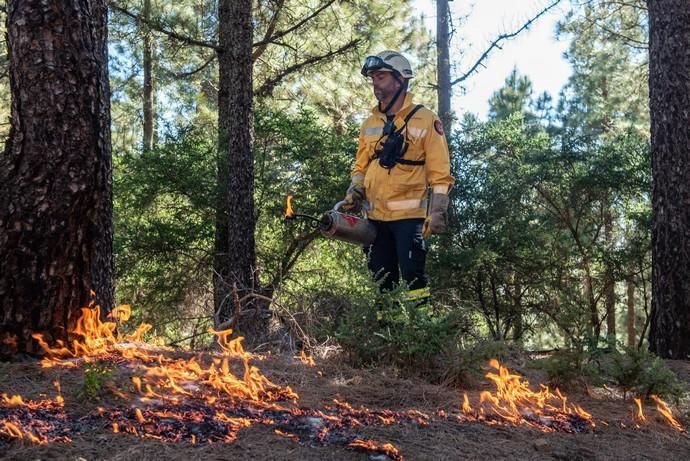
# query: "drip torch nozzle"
{"type": "Point", "coordinates": [290, 214]}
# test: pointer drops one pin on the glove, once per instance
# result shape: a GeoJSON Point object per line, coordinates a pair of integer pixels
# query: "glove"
{"type": "Point", "coordinates": [437, 221]}
{"type": "Point", "coordinates": [354, 198]}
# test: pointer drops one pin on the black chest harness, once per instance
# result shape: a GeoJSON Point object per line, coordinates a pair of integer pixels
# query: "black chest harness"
{"type": "Point", "coordinates": [394, 147]}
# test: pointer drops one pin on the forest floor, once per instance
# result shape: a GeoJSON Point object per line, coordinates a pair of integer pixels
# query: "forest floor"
{"type": "Point", "coordinates": [420, 421]}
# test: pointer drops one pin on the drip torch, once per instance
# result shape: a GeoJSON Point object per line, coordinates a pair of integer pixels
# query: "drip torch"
{"type": "Point", "coordinates": [337, 225]}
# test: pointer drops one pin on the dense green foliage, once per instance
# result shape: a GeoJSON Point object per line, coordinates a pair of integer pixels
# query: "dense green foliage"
{"type": "Point", "coordinates": [165, 213]}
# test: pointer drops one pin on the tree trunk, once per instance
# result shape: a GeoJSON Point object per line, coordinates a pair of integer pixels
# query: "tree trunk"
{"type": "Point", "coordinates": [517, 316]}
{"type": "Point", "coordinates": [235, 275]}
{"type": "Point", "coordinates": [443, 64]}
{"type": "Point", "coordinates": [55, 172]}
{"type": "Point", "coordinates": [669, 91]}
{"type": "Point", "coordinates": [595, 323]}
{"type": "Point", "coordinates": [148, 81]}
{"type": "Point", "coordinates": [631, 313]}
{"type": "Point", "coordinates": [609, 280]}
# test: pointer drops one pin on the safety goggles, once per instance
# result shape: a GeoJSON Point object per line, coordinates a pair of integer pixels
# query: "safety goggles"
{"type": "Point", "coordinates": [374, 63]}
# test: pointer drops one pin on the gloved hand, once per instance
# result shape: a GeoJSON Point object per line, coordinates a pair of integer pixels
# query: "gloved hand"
{"type": "Point", "coordinates": [437, 221]}
{"type": "Point", "coordinates": [354, 198]}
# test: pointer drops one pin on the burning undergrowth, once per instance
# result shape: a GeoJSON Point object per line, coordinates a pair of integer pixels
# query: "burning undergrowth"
{"type": "Point", "coordinates": [212, 398]}
{"type": "Point", "coordinates": [205, 399]}
{"type": "Point", "coordinates": [514, 401]}
{"type": "Point", "coordinates": [41, 421]}
{"type": "Point", "coordinates": [199, 422]}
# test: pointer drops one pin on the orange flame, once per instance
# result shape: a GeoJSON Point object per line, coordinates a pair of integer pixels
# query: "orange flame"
{"type": "Point", "coordinates": [514, 402]}
{"type": "Point", "coordinates": [466, 407]}
{"type": "Point", "coordinates": [17, 429]}
{"type": "Point", "coordinates": [292, 437]}
{"type": "Point", "coordinates": [15, 400]}
{"type": "Point", "coordinates": [13, 431]}
{"type": "Point", "coordinates": [121, 313]}
{"type": "Point", "coordinates": [371, 446]}
{"type": "Point", "coordinates": [165, 379]}
{"type": "Point", "coordinates": [288, 208]}
{"type": "Point", "coordinates": [94, 338]}
{"type": "Point", "coordinates": [306, 359]}
{"type": "Point", "coordinates": [640, 413]}
{"type": "Point", "coordinates": [182, 377]}
{"type": "Point", "coordinates": [229, 376]}
{"type": "Point", "coordinates": [666, 412]}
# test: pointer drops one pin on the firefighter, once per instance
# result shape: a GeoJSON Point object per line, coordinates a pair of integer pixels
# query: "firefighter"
{"type": "Point", "coordinates": [402, 162]}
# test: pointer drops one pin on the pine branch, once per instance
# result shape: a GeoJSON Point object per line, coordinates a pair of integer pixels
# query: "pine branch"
{"type": "Point", "coordinates": [195, 71]}
{"type": "Point", "coordinates": [263, 44]}
{"type": "Point", "coordinates": [283, 33]}
{"type": "Point", "coordinates": [260, 46]}
{"type": "Point", "coordinates": [625, 39]}
{"type": "Point", "coordinates": [268, 86]}
{"type": "Point", "coordinates": [498, 40]}
{"type": "Point", "coordinates": [636, 5]}
{"type": "Point", "coordinates": [155, 25]}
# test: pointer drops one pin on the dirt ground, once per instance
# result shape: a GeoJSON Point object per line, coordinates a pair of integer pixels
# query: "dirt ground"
{"type": "Point", "coordinates": [442, 437]}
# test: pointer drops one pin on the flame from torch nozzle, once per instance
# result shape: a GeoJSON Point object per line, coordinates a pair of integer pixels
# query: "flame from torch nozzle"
{"type": "Point", "coordinates": [289, 214]}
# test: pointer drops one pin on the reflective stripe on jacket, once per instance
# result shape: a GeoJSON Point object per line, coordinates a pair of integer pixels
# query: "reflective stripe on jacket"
{"type": "Point", "coordinates": [400, 192]}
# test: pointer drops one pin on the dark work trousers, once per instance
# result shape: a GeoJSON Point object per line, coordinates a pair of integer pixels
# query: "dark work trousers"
{"type": "Point", "coordinates": [399, 249]}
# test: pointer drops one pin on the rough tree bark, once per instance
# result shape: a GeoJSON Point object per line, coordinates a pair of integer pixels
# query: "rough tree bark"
{"type": "Point", "coordinates": [55, 172]}
{"type": "Point", "coordinates": [630, 317]}
{"type": "Point", "coordinates": [148, 98]}
{"type": "Point", "coordinates": [669, 94]}
{"type": "Point", "coordinates": [444, 91]}
{"type": "Point", "coordinates": [235, 259]}
{"type": "Point", "coordinates": [518, 311]}
{"type": "Point", "coordinates": [609, 278]}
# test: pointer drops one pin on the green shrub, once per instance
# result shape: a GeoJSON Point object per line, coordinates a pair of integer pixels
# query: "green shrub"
{"type": "Point", "coordinates": [461, 365]}
{"type": "Point", "coordinates": [96, 375]}
{"type": "Point", "coordinates": [641, 372]}
{"type": "Point", "coordinates": [569, 366]}
{"type": "Point", "coordinates": [391, 329]}
{"type": "Point", "coordinates": [634, 370]}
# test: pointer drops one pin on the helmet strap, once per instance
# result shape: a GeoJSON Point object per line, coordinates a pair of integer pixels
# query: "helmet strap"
{"type": "Point", "coordinates": [403, 87]}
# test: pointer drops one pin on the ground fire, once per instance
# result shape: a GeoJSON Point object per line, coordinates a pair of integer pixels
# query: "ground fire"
{"type": "Point", "coordinates": [211, 398]}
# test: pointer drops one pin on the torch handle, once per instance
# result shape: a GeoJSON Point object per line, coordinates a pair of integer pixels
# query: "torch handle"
{"type": "Point", "coordinates": [365, 208]}
{"type": "Point", "coordinates": [337, 206]}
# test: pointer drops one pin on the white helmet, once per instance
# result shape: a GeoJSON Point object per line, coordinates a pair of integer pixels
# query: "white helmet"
{"type": "Point", "coordinates": [388, 61]}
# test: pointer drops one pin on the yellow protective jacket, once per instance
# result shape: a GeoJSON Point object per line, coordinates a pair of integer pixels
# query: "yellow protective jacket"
{"type": "Point", "coordinates": [401, 192]}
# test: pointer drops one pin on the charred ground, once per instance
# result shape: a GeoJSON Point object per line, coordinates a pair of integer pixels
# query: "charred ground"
{"type": "Point", "coordinates": [421, 421]}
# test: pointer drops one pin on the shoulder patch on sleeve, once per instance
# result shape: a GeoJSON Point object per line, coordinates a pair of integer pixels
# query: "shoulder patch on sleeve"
{"type": "Point", "coordinates": [438, 126]}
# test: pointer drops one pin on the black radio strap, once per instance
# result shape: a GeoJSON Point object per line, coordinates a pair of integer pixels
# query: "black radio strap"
{"type": "Point", "coordinates": [409, 116]}
{"type": "Point", "coordinates": [399, 131]}
{"type": "Point", "coordinates": [402, 154]}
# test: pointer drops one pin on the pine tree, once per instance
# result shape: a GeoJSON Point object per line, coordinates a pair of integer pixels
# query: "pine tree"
{"type": "Point", "coordinates": [235, 252]}
{"type": "Point", "coordinates": [55, 173]}
{"type": "Point", "coordinates": [669, 91]}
